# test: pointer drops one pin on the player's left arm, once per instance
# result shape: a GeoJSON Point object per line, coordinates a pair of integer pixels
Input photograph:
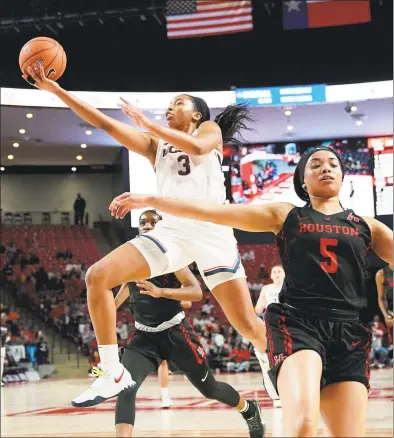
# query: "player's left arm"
{"type": "Point", "coordinates": [208, 138]}
{"type": "Point", "coordinates": [190, 290]}
{"type": "Point", "coordinates": [382, 240]}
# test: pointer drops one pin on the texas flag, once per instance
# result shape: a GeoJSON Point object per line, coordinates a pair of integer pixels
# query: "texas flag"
{"type": "Point", "coordinates": [304, 14]}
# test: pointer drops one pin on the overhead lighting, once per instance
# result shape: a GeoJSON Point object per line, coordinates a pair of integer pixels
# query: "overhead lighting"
{"type": "Point", "coordinates": [290, 128]}
{"type": "Point", "coordinates": [10, 157]}
{"type": "Point", "coordinates": [353, 108]}
{"type": "Point", "coordinates": [2, 168]}
{"type": "Point", "coordinates": [16, 145]}
{"type": "Point", "coordinates": [79, 157]}
{"type": "Point", "coordinates": [29, 115]}
{"type": "Point", "coordinates": [22, 131]}
{"type": "Point", "coordinates": [359, 122]}
{"type": "Point", "coordinates": [88, 132]}
{"type": "Point", "coordinates": [84, 145]}
{"type": "Point", "coordinates": [157, 117]}
{"type": "Point", "coordinates": [74, 169]}
{"type": "Point", "coordinates": [287, 113]}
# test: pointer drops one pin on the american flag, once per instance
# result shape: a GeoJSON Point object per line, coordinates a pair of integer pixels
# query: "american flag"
{"type": "Point", "coordinates": [197, 18]}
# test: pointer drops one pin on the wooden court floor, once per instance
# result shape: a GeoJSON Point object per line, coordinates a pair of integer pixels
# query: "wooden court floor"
{"type": "Point", "coordinates": [43, 409]}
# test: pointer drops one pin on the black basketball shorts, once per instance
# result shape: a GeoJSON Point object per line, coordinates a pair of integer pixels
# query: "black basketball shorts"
{"type": "Point", "coordinates": [341, 340]}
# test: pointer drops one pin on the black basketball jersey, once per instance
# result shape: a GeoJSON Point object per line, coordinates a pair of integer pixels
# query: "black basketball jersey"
{"type": "Point", "coordinates": [324, 258]}
{"type": "Point", "coordinates": [388, 285]}
{"type": "Point", "coordinates": [151, 311]}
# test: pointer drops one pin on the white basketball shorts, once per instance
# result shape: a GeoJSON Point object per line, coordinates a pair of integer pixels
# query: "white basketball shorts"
{"type": "Point", "coordinates": [176, 243]}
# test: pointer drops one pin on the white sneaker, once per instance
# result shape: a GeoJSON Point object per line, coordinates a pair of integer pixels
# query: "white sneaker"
{"type": "Point", "coordinates": [265, 367]}
{"type": "Point", "coordinates": [277, 404]}
{"type": "Point", "coordinates": [166, 402]}
{"type": "Point", "coordinates": [106, 386]}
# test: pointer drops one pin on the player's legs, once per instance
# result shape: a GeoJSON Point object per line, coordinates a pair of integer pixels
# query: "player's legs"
{"type": "Point", "coordinates": [125, 263]}
{"type": "Point", "coordinates": [350, 399]}
{"type": "Point", "coordinates": [140, 259]}
{"type": "Point", "coordinates": [189, 356]}
{"type": "Point", "coordinates": [163, 378]}
{"type": "Point", "coordinates": [299, 389]}
{"type": "Point", "coordinates": [139, 367]}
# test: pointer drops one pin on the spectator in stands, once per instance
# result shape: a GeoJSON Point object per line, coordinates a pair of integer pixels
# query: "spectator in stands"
{"type": "Point", "coordinates": [208, 306]}
{"type": "Point", "coordinates": [68, 255]}
{"type": "Point", "coordinates": [64, 321]}
{"type": "Point", "coordinates": [2, 248]}
{"type": "Point", "coordinates": [33, 259]}
{"type": "Point", "coordinates": [122, 331]}
{"type": "Point", "coordinates": [13, 315]}
{"type": "Point", "coordinates": [7, 270]}
{"type": "Point", "coordinates": [84, 268]}
{"type": "Point", "coordinates": [23, 261]}
{"type": "Point", "coordinates": [379, 355]}
{"type": "Point", "coordinates": [263, 272]}
{"type": "Point", "coordinates": [60, 255]}
{"type": "Point", "coordinates": [79, 210]}
{"type": "Point", "coordinates": [41, 279]}
{"type": "Point", "coordinates": [239, 359]}
{"type": "Point", "coordinates": [56, 284]}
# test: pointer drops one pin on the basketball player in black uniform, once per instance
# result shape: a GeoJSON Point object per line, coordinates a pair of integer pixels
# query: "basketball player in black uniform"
{"type": "Point", "coordinates": [163, 333]}
{"type": "Point", "coordinates": [384, 284]}
{"type": "Point", "coordinates": [318, 349]}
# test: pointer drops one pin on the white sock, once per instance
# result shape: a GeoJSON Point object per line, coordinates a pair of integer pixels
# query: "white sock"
{"type": "Point", "coordinates": [109, 357]}
{"type": "Point", "coordinates": [165, 393]}
{"type": "Point", "coordinates": [2, 357]}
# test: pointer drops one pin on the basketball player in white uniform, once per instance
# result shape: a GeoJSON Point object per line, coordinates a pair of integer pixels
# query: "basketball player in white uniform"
{"type": "Point", "coordinates": [187, 156]}
{"type": "Point", "coordinates": [270, 293]}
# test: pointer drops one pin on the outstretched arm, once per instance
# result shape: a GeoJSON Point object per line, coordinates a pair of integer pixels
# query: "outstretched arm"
{"type": "Point", "coordinates": [268, 217]}
{"type": "Point", "coordinates": [209, 135]}
{"type": "Point", "coordinates": [190, 290]}
{"type": "Point", "coordinates": [382, 240]}
{"type": "Point", "coordinates": [139, 142]}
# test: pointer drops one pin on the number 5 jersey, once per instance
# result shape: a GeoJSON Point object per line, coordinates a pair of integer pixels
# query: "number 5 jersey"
{"type": "Point", "coordinates": [324, 257]}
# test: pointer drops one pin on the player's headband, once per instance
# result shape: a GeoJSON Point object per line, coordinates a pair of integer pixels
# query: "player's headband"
{"type": "Point", "coordinates": [299, 173]}
{"type": "Point", "coordinates": [201, 107]}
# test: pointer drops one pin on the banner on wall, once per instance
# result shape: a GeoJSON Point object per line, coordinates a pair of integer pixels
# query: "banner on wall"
{"type": "Point", "coordinates": [279, 96]}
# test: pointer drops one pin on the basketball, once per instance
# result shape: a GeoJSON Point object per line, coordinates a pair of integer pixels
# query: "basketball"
{"type": "Point", "coordinates": [46, 52]}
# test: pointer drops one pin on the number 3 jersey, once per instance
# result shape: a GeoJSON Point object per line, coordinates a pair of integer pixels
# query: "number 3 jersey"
{"type": "Point", "coordinates": [179, 175]}
{"type": "Point", "coordinates": [324, 258]}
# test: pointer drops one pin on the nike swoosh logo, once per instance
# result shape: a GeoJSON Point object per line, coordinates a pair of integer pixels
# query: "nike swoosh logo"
{"type": "Point", "coordinates": [302, 218]}
{"type": "Point", "coordinates": [354, 344]}
{"type": "Point", "coordinates": [119, 378]}
{"type": "Point", "coordinates": [205, 378]}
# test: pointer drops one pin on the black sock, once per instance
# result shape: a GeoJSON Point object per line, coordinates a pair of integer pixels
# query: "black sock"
{"type": "Point", "coordinates": [250, 411]}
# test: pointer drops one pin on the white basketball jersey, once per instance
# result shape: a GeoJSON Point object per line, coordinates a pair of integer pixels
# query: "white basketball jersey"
{"type": "Point", "coordinates": [271, 293]}
{"type": "Point", "coordinates": [179, 175]}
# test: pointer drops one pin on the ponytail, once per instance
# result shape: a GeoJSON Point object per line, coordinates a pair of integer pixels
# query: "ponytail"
{"type": "Point", "coordinates": [232, 120]}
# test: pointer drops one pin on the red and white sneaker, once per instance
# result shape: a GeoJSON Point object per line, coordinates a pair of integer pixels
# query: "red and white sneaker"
{"type": "Point", "coordinates": [106, 386]}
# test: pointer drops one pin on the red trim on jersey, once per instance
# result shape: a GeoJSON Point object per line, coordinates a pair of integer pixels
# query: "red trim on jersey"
{"type": "Point", "coordinates": [367, 369]}
{"type": "Point", "coordinates": [287, 339]}
{"type": "Point", "coordinates": [270, 343]}
{"type": "Point", "coordinates": [191, 344]}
